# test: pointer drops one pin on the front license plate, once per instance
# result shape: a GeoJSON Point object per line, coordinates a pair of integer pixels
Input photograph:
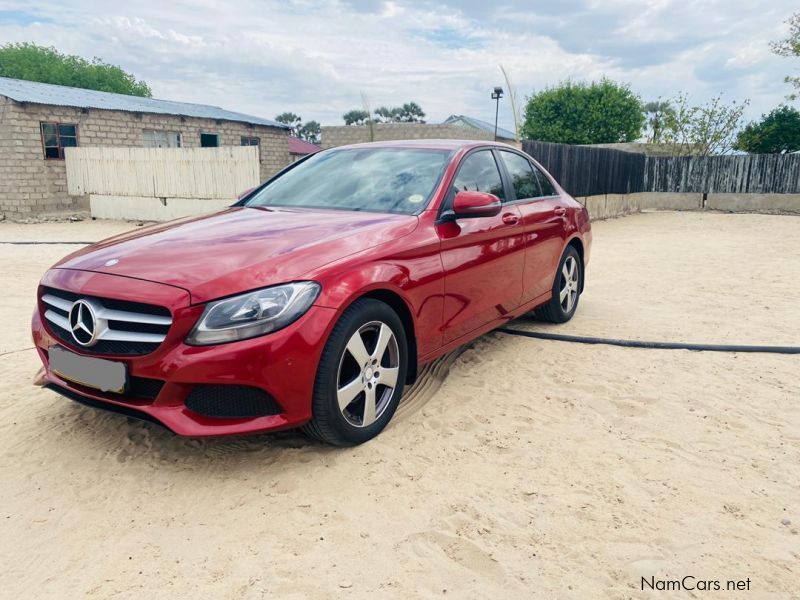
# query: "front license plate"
{"type": "Point", "coordinates": [103, 375]}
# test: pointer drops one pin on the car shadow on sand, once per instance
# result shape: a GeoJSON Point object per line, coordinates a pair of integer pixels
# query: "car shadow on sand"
{"type": "Point", "coordinates": [126, 439]}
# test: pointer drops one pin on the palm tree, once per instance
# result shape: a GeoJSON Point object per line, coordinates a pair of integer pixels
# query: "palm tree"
{"type": "Point", "coordinates": [657, 113]}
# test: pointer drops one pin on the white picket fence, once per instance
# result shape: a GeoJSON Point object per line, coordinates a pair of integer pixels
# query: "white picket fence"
{"type": "Point", "coordinates": [197, 173]}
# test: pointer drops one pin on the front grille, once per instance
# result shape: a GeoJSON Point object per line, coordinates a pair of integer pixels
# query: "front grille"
{"type": "Point", "coordinates": [231, 402]}
{"type": "Point", "coordinates": [139, 388]}
{"type": "Point", "coordinates": [143, 388]}
{"type": "Point", "coordinates": [123, 327]}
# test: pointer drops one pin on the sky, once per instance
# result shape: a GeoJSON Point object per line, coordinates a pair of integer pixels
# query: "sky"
{"type": "Point", "coordinates": [317, 58]}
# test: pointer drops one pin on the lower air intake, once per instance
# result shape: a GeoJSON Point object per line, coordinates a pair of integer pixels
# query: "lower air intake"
{"type": "Point", "coordinates": [231, 402]}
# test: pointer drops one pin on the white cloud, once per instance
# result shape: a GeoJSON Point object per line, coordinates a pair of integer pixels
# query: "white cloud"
{"type": "Point", "coordinates": [315, 57]}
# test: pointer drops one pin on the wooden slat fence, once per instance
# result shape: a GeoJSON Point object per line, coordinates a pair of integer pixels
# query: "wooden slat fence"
{"type": "Point", "coordinates": [589, 171]}
{"type": "Point", "coordinates": [745, 174]}
{"type": "Point", "coordinates": [162, 172]}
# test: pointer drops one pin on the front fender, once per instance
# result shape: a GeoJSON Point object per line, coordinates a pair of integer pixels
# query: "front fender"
{"type": "Point", "coordinates": [342, 290]}
{"type": "Point", "coordinates": [419, 286]}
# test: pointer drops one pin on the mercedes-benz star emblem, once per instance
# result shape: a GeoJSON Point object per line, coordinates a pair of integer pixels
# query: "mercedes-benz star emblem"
{"type": "Point", "coordinates": [83, 323]}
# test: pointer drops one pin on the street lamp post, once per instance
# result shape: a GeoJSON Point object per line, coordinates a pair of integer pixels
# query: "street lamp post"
{"type": "Point", "coordinates": [496, 95]}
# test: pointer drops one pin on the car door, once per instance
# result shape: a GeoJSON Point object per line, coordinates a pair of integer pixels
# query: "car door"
{"type": "Point", "coordinates": [482, 257]}
{"type": "Point", "coordinates": [543, 222]}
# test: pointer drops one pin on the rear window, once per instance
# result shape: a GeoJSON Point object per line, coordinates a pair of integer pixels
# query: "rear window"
{"type": "Point", "coordinates": [544, 183]}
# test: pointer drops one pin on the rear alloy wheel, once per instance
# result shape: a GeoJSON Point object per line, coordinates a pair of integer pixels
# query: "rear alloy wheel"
{"type": "Point", "coordinates": [361, 375]}
{"type": "Point", "coordinates": [567, 286]}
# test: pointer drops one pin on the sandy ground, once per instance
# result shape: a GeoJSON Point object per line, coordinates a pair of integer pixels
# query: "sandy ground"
{"type": "Point", "coordinates": [518, 468]}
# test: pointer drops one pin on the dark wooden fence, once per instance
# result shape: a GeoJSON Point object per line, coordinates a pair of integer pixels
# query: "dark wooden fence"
{"type": "Point", "coordinates": [746, 174]}
{"type": "Point", "coordinates": [588, 171]}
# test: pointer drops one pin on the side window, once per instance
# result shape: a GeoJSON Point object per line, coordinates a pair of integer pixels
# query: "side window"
{"type": "Point", "coordinates": [522, 176]}
{"type": "Point", "coordinates": [56, 137]}
{"type": "Point", "coordinates": [209, 140]}
{"type": "Point", "coordinates": [544, 183]}
{"type": "Point", "coordinates": [157, 138]}
{"type": "Point", "coordinates": [479, 173]}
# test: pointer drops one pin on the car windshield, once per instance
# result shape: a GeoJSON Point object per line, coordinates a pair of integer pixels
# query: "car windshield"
{"type": "Point", "coordinates": [397, 180]}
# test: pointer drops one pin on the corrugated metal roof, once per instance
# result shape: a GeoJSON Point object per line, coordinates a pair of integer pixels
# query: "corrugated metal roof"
{"type": "Point", "coordinates": [478, 124]}
{"type": "Point", "coordinates": [59, 95]}
{"type": "Point", "coordinates": [299, 146]}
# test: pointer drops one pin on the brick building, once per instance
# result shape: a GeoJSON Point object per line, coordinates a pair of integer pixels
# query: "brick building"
{"type": "Point", "coordinates": [37, 121]}
{"type": "Point", "coordinates": [341, 135]}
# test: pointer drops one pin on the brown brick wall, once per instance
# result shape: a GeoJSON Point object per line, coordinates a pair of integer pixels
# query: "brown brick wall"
{"type": "Point", "coordinates": [341, 135]}
{"type": "Point", "coordinates": [31, 185]}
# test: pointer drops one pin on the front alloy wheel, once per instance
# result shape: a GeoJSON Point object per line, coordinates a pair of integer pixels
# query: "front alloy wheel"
{"type": "Point", "coordinates": [361, 375]}
{"type": "Point", "coordinates": [368, 374]}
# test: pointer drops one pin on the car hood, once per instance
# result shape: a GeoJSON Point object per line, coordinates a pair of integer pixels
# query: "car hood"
{"type": "Point", "coordinates": [239, 249]}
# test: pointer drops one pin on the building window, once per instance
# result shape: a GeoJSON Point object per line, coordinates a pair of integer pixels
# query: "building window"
{"type": "Point", "coordinates": [56, 137]}
{"type": "Point", "coordinates": [251, 141]}
{"type": "Point", "coordinates": [158, 138]}
{"type": "Point", "coordinates": [209, 140]}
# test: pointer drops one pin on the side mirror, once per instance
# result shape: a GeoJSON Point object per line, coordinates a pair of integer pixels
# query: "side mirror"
{"type": "Point", "coordinates": [469, 204]}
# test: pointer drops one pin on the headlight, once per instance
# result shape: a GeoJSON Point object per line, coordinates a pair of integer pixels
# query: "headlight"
{"type": "Point", "coordinates": [253, 314]}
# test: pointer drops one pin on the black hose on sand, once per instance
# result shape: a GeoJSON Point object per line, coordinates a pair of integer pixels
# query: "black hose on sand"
{"type": "Point", "coordinates": [653, 345]}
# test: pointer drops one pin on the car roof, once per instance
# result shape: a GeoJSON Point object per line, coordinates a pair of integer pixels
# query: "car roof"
{"type": "Point", "coordinates": [432, 144]}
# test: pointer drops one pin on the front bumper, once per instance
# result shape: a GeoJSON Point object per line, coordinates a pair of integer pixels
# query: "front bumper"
{"type": "Point", "coordinates": [282, 364]}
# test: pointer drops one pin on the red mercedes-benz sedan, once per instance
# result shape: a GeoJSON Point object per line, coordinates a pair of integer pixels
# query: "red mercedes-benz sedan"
{"type": "Point", "coordinates": [313, 300]}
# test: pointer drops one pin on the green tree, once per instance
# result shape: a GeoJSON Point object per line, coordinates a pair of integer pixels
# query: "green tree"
{"type": "Point", "coordinates": [410, 112]}
{"type": "Point", "coordinates": [777, 132]}
{"type": "Point", "coordinates": [355, 117]}
{"type": "Point", "coordinates": [47, 65]}
{"type": "Point", "coordinates": [657, 113]}
{"type": "Point", "coordinates": [292, 120]}
{"type": "Point", "coordinates": [311, 132]}
{"type": "Point", "coordinates": [385, 115]}
{"type": "Point", "coordinates": [705, 129]}
{"type": "Point", "coordinates": [578, 113]}
{"type": "Point", "coordinates": [790, 47]}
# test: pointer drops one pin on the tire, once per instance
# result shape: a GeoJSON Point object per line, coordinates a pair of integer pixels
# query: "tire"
{"type": "Point", "coordinates": [560, 309]}
{"type": "Point", "coordinates": [352, 422]}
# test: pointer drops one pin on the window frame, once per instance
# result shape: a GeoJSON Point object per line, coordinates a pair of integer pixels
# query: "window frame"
{"type": "Point", "coordinates": [550, 179]}
{"type": "Point", "coordinates": [58, 145]}
{"type": "Point", "coordinates": [250, 139]}
{"type": "Point", "coordinates": [534, 166]}
{"type": "Point", "coordinates": [167, 133]}
{"type": "Point", "coordinates": [447, 203]}
{"type": "Point", "coordinates": [511, 178]}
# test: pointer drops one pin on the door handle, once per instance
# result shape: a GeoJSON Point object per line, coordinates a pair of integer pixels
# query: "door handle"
{"type": "Point", "coordinates": [510, 219]}
{"type": "Point", "coordinates": [560, 211]}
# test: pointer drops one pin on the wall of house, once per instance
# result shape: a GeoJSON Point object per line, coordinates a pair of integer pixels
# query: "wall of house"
{"type": "Point", "coordinates": [341, 135]}
{"type": "Point", "coordinates": [31, 185]}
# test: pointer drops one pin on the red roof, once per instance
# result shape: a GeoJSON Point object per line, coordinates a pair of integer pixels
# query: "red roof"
{"type": "Point", "coordinates": [298, 146]}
